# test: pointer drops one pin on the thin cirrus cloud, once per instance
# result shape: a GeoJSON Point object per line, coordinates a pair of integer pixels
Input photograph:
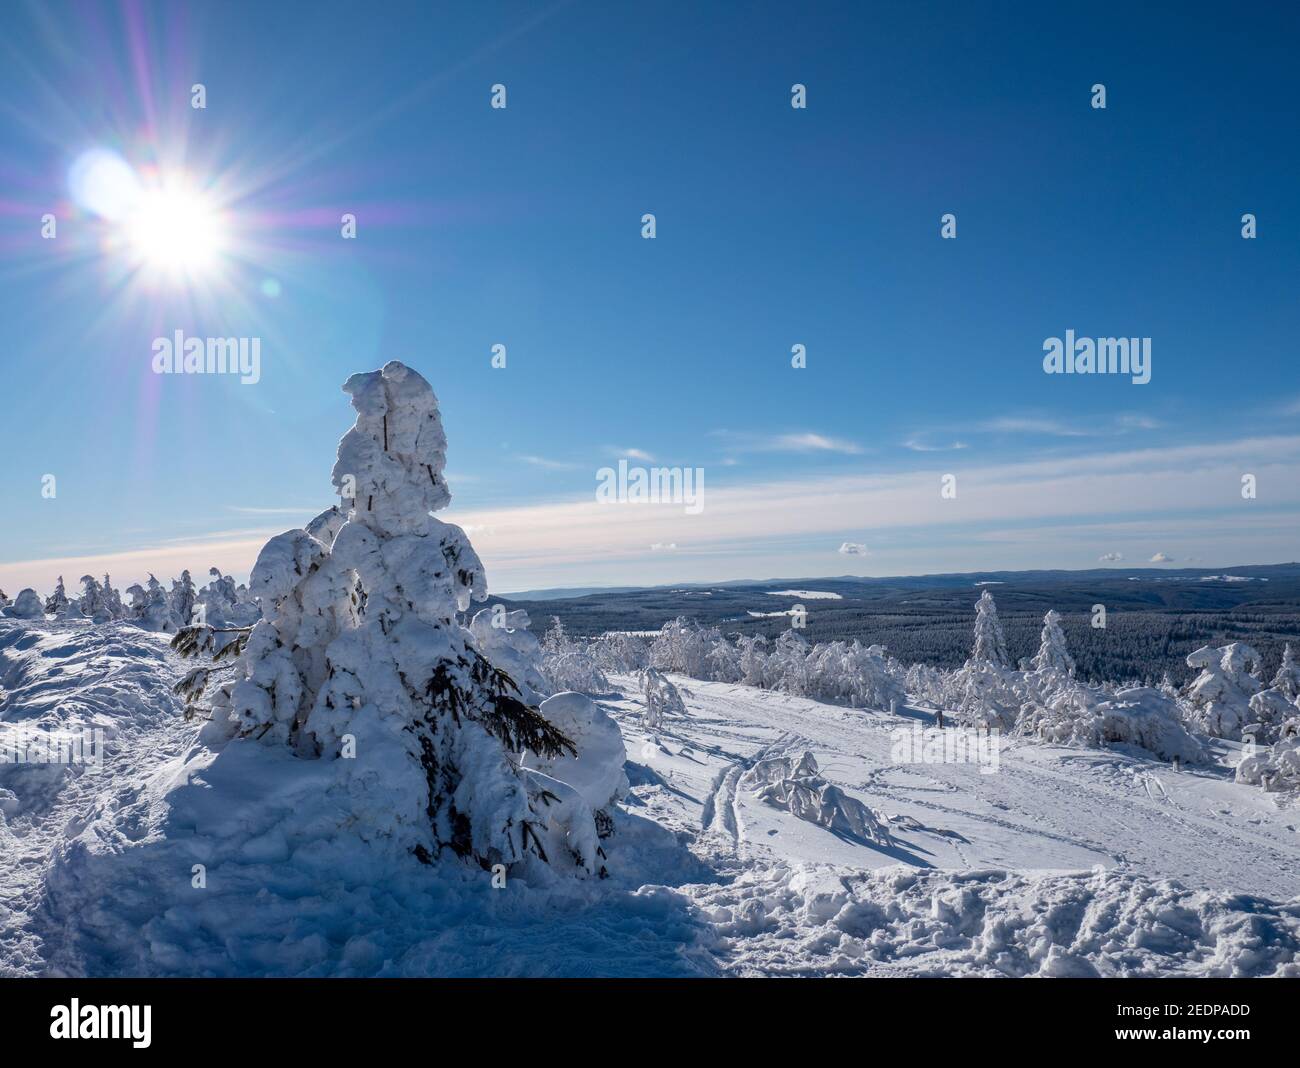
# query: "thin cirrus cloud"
{"type": "Point", "coordinates": [802, 442]}
{"type": "Point", "coordinates": [630, 454]}
{"type": "Point", "coordinates": [853, 548]}
{"type": "Point", "coordinates": [547, 464]}
{"type": "Point", "coordinates": [916, 445]}
{"type": "Point", "coordinates": [1057, 428]}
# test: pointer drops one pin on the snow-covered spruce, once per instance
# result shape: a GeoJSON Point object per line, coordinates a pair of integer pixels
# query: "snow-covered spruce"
{"type": "Point", "coordinates": [1220, 695]}
{"type": "Point", "coordinates": [1052, 654]}
{"type": "Point", "coordinates": [990, 642]}
{"type": "Point", "coordinates": [359, 659]}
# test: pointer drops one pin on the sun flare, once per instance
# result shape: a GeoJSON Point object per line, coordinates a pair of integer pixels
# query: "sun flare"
{"type": "Point", "coordinates": [174, 231]}
{"type": "Point", "coordinates": [168, 229]}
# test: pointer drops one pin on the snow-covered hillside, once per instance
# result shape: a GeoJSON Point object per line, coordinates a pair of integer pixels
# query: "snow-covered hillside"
{"type": "Point", "coordinates": [1064, 861]}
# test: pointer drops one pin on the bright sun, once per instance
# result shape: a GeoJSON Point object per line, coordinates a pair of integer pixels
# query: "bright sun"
{"type": "Point", "coordinates": [174, 231]}
{"type": "Point", "coordinates": [164, 224]}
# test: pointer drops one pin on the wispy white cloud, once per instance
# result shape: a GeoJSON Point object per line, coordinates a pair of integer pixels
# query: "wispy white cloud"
{"type": "Point", "coordinates": [853, 548]}
{"type": "Point", "coordinates": [921, 446]}
{"type": "Point", "coordinates": [631, 454]}
{"type": "Point", "coordinates": [1022, 425]}
{"type": "Point", "coordinates": [1120, 422]}
{"type": "Point", "coordinates": [1110, 558]}
{"type": "Point", "coordinates": [805, 441]}
{"type": "Point", "coordinates": [549, 465]}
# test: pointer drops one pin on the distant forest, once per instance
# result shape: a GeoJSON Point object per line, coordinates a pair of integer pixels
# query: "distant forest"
{"type": "Point", "coordinates": [1152, 621]}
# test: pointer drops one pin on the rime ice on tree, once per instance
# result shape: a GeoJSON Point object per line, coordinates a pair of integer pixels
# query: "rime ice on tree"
{"type": "Point", "coordinates": [990, 643]}
{"type": "Point", "coordinates": [1052, 653]}
{"type": "Point", "coordinates": [359, 655]}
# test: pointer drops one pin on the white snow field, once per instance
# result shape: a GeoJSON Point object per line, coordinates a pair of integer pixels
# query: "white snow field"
{"type": "Point", "coordinates": [1061, 862]}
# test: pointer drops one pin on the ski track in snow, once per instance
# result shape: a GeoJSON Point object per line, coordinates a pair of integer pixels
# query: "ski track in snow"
{"type": "Point", "coordinates": [1064, 862]}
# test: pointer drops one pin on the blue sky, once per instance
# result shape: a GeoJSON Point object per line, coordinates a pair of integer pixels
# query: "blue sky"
{"type": "Point", "coordinates": [776, 227]}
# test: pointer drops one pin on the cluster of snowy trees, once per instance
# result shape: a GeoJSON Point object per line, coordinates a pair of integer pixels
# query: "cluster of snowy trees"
{"type": "Point", "coordinates": [841, 672]}
{"type": "Point", "coordinates": [1041, 698]}
{"type": "Point", "coordinates": [151, 606]}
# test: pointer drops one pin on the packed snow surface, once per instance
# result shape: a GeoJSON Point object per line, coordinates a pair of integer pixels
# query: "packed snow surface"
{"type": "Point", "coordinates": [759, 834]}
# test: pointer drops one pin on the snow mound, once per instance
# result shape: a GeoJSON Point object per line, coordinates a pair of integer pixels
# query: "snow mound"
{"type": "Point", "coordinates": [27, 605]}
{"type": "Point", "coordinates": [597, 771]}
{"type": "Point", "coordinates": [504, 638]}
{"type": "Point", "coordinates": [814, 920]}
{"type": "Point", "coordinates": [798, 787]}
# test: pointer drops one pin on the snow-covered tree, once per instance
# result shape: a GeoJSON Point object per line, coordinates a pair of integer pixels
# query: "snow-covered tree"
{"type": "Point", "coordinates": [359, 653]}
{"type": "Point", "coordinates": [181, 599]}
{"type": "Point", "coordinates": [92, 602]}
{"type": "Point", "coordinates": [5, 602]}
{"type": "Point", "coordinates": [683, 647]}
{"type": "Point", "coordinates": [56, 601]}
{"type": "Point", "coordinates": [621, 653]}
{"type": "Point", "coordinates": [149, 607]}
{"type": "Point", "coordinates": [789, 668]}
{"type": "Point", "coordinates": [753, 660]}
{"type": "Point", "coordinates": [27, 605]}
{"type": "Point", "coordinates": [1052, 653]}
{"type": "Point", "coordinates": [990, 643]}
{"type": "Point", "coordinates": [1287, 679]}
{"type": "Point", "coordinates": [112, 599]}
{"type": "Point", "coordinates": [1220, 695]}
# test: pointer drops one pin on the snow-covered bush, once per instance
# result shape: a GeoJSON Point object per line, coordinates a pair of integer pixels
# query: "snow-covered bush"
{"type": "Point", "coordinates": [1220, 695]}
{"type": "Point", "coordinates": [570, 665]}
{"type": "Point", "coordinates": [1145, 717]}
{"type": "Point", "coordinates": [1278, 766]}
{"type": "Point", "coordinates": [683, 647]}
{"type": "Point", "coordinates": [622, 654]}
{"type": "Point", "coordinates": [358, 659]}
{"type": "Point", "coordinates": [27, 605]}
{"type": "Point", "coordinates": [797, 786]}
{"type": "Point", "coordinates": [662, 699]}
{"type": "Point", "coordinates": [149, 608]}
{"type": "Point", "coordinates": [504, 638]}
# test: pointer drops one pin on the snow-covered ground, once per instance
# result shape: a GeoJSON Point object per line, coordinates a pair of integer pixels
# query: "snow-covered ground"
{"type": "Point", "coordinates": [1062, 862]}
